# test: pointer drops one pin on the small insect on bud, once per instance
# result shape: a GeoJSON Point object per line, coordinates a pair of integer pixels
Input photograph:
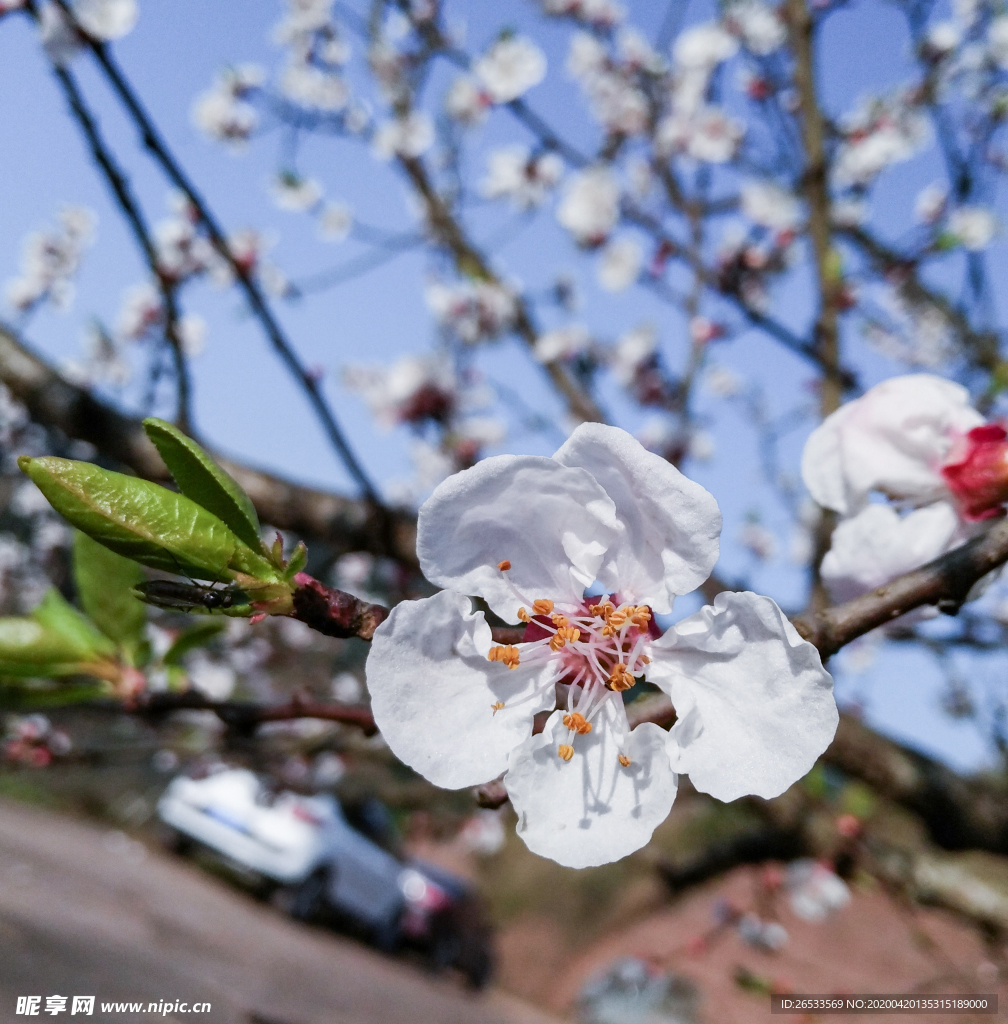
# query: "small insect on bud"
{"type": "Point", "coordinates": [624, 760]}
{"type": "Point", "coordinates": [504, 566]}
{"type": "Point", "coordinates": [565, 751]}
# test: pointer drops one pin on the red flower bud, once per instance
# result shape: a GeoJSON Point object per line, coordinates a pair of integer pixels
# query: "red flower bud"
{"type": "Point", "coordinates": [977, 472]}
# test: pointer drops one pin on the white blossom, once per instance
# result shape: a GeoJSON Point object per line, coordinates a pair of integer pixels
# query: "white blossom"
{"type": "Point", "coordinates": [466, 102]}
{"type": "Point", "coordinates": [590, 206]}
{"type": "Point", "coordinates": [758, 25]}
{"type": "Point", "coordinates": [527, 535]}
{"type": "Point", "coordinates": [294, 193]}
{"type": "Point", "coordinates": [510, 68]}
{"type": "Point", "coordinates": [703, 47]}
{"type": "Point", "coordinates": [512, 173]}
{"type": "Point", "coordinates": [770, 206]}
{"type": "Point", "coordinates": [410, 136]}
{"type": "Point", "coordinates": [721, 381]}
{"type": "Point", "coordinates": [878, 134]}
{"type": "Point", "coordinates": [50, 260]}
{"type": "Point", "coordinates": [633, 350]}
{"type": "Point", "coordinates": [620, 264]}
{"type": "Point", "coordinates": [335, 222]}
{"type": "Point", "coordinates": [598, 13]}
{"type": "Point", "coordinates": [815, 890]}
{"type": "Point", "coordinates": [997, 40]}
{"type": "Point", "coordinates": [930, 203]}
{"type": "Point", "coordinates": [141, 309]}
{"type": "Point", "coordinates": [707, 133]}
{"type": "Point", "coordinates": [586, 57]}
{"type": "Point", "coordinates": [413, 388]}
{"type": "Point", "coordinates": [972, 226]}
{"type": "Point", "coordinates": [310, 86]}
{"type": "Point", "coordinates": [472, 310]}
{"type": "Point", "coordinates": [59, 38]}
{"type": "Point", "coordinates": [106, 19]}
{"type": "Point", "coordinates": [563, 343]}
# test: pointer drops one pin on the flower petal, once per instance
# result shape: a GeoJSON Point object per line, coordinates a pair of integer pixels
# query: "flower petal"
{"type": "Point", "coordinates": [755, 705]}
{"type": "Point", "coordinates": [551, 522]}
{"type": "Point", "coordinates": [433, 690]}
{"type": "Point", "coordinates": [892, 439]}
{"type": "Point", "coordinates": [878, 544]}
{"type": "Point", "coordinates": [590, 810]}
{"type": "Point", "coordinates": [669, 541]}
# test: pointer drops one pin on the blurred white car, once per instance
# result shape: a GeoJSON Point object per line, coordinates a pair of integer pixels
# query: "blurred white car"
{"type": "Point", "coordinates": [323, 864]}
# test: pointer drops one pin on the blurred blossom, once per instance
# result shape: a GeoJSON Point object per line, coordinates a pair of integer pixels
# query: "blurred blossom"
{"type": "Point", "coordinates": [758, 540]}
{"type": "Point", "coordinates": [512, 173]}
{"type": "Point", "coordinates": [140, 311]}
{"type": "Point", "coordinates": [879, 133]}
{"type": "Point", "coordinates": [706, 133]}
{"type": "Point", "coordinates": [640, 176]}
{"type": "Point", "coordinates": [192, 331]}
{"type": "Point", "coordinates": [310, 86]}
{"type": "Point", "coordinates": [410, 136]}
{"type": "Point", "coordinates": [701, 446]}
{"type": "Point", "coordinates": [466, 102]}
{"type": "Point", "coordinates": [346, 688]}
{"type": "Point", "coordinates": [721, 381]}
{"type": "Point", "coordinates": [511, 67]}
{"type": "Point", "coordinates": [472, 310]}
{"type": "Point", "coordinates": [972, 226]}
{"type": "Point", "coordinates": [943, 38]}
{"type": "Point", "coordinates": [213, 678]}
{"type": "Point", "coordinates": [620, 264]}
{"type": "Point", "coordinates": [757, 24]}
{"type": "Point", "coordinates": [597, 13]}
{"type": "Point", "coordinates": [770, 206]}
{"type": "Point", "coordinates": [590, 206]}
{"type": "Point", "coordinates": [335, 222]}
{"type": "Point", "coordinates": [224, 114]}
{"type": "Point", "coordinates": [997, 41]}
{"type": "Point", "coordinates": [563, 343]}
{"type": "Point", "coordinates": [930, 204]}
{"type": "Point", "coordinates": [293, 192]}
{"type": "Point", "coordinates": [353, 569]}
{"type": "Point", "coordinates": [816, 892]}
{"type": "Point", "coordinates": [586, 57]}
{"type": "Point", "coordinates": [295, 634]}
{"type": "Point", "coordinates": [50, 259]}
{"type": "Point", "coordinates": [483, 833]}
{"type": "Point", "coordinates": [849, 212]}
{"type": "Point", "coordinates": [633, 350]}
{"type": "Point", "coordinates": [413, 389]}
{"type": "Point", "coordinates": [106, 19]}
{"type": "Point", "coordinates": [703, 47]}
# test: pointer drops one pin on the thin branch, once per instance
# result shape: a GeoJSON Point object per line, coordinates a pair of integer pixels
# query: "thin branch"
{"type": "Point", "coordinates": [120, 186]}
{"type": "Point", "coordinates": [159, 150]}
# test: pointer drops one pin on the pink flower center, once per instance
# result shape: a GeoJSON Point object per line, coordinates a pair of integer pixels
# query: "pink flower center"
{"type": "Point", "coordinates": [976, 472]}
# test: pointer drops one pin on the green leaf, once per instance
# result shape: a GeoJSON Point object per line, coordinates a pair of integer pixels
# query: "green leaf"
{"type": "Point", "coordinates": [298, 560]}
{"type": "Point", "coordinates": [105, 582]}
{"type": "Point", "coordinates": [201, 479]}
{"type": "Point", "coordinates": [195, 636]}
{"type": "Point", "coordinates": [135, 518]}
{"type": "Point", "coordinates": [59, 617]}
{"type": "Point", "coordinates": [28, 648]}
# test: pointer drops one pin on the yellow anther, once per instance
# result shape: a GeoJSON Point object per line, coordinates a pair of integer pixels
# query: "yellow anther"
{"type": "Point", "coordinates": [564, 635]}
{"type": "Point", "coordinates": [624, 760]}
{"type": "Point", "coordinates": [645, 660]}
{"type": "Point", "coordinates": [565, 751]}
{"type": "Point", "coordinates": [504, 566]}
{"type": "Point", "coordinates": [641, 616]}
{"type": "Point", "coordinates": [620, 678]}
{"type": "Point", "coordinates": [524, 615]}
{"type": "Point", "coordinates": [608, 630]}
{"type": "Point", "coordinates": [602, 609]}
{"type": "Point", "coordinates": [543, 606]}
{"type": "Point", "coordinates": [618, 616]}
{"type": "Point", "coordinates": [558, 619]}
{"type": "Point", "coordinates": [508, 655]}
{"type": "Point", "coordinates": [576, 721]}
{"type": "Point", "coordinates": [499, 706]}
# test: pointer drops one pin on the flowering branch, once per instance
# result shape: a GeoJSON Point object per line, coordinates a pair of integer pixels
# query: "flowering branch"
{"type": "Point", "coordinates": [945, 582]}
{"type": "Point", "coordinates": [348, 524]}
{"type": "Point", "coordinates": [120, 186]}
{"type": "Point", "coordinates": [159, 150]}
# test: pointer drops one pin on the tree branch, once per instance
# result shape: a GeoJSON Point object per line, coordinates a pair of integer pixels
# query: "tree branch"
{"type": "Point", "coordinates": [348, 524]}
{"type": "Point", "coordinates": [159, 150]}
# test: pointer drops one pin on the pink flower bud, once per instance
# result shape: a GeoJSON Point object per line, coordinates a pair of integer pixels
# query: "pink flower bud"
{"type": "Point", "coordinates": [977, 472]}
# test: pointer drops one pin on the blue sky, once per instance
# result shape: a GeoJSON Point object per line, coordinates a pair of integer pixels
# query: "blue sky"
{"type": "Point", "coordinates": [244, 403]}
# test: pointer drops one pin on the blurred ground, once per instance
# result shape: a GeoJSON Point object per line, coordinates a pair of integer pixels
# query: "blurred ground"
{"type": "Point", "coordinates": [85, 911]}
